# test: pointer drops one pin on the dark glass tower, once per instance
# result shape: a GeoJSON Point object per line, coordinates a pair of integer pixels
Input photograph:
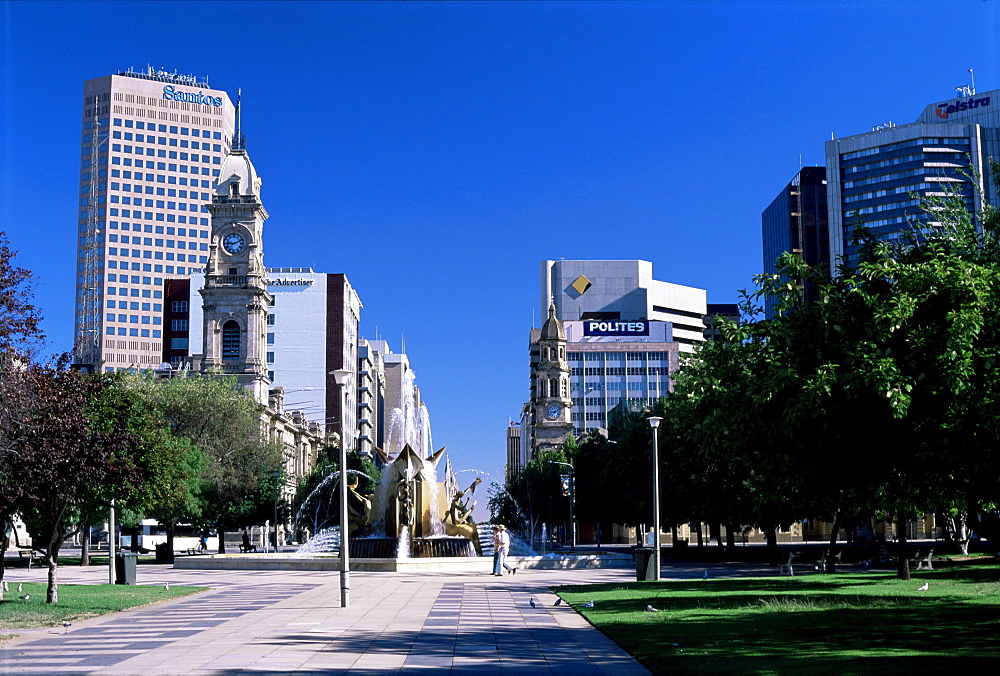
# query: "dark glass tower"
{"type": "Point", "coordinates": [796, 221]}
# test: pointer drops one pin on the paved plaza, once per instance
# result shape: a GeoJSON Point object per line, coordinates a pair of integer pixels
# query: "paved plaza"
{"type": "Point", "coordinates": [275, 621]}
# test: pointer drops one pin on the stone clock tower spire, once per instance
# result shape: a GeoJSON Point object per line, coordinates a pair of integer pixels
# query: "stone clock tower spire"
{"type": "Point", "coordinates": [552, 404]}
{"type": "Point", "coordinates": [235, 295]}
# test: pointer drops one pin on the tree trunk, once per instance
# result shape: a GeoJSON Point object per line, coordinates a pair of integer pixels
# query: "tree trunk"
{"type": "Point", "coordinates": [731, 537]}
{"type": "Point", "coordinates": [831, 554]}
{"type": "Point", "coordinates": [701, 542]}
{"type": "Point", "coordinates": [960, 524]}
{"type": "Point", "coordinates": [715, 531]}
{"type": "Point", "coordinates": [3, 551]}
{"type": "Point", "coordinates": [222, 540]}
{"type": "Point", "coordinates": [902, 556]}
{"type": "Point", "coordinates": [135, 539]}
{"type": "Point", "coordinates": [170, 540]}
{"type": "Point", "coordinates": [771, 533]}
{"type": "Point", "coordinates": [85, 544]}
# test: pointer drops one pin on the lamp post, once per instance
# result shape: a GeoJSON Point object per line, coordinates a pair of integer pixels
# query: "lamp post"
{"type": "Point", "coordinates": [654, 422]}
{"type": "Point", "coordinates": [572, 502]}
{"type": "Point", "coordinates": [343, 378]}
{"type": "Point", "coordinates": [276, 474]}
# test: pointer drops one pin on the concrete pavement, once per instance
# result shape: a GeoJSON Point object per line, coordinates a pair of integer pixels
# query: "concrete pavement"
{"type": "Point", "coordinates": [276, 621]}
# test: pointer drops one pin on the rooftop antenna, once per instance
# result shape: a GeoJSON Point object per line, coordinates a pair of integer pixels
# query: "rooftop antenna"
{"type": "Point", "coordinates": [969, 89]}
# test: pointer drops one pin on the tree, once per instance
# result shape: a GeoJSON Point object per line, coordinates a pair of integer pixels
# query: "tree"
{"type": "Point", "coordinates": [316, 503]}
{"type": "Point", "coordinates": [219, 418]}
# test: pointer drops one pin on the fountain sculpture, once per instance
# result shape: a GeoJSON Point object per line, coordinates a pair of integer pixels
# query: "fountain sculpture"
{"type": "Point", "coordinates": [411, 514]}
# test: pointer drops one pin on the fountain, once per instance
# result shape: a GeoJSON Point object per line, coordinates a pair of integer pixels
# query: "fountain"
{"type": "Point", "coordinates": [410, 522]}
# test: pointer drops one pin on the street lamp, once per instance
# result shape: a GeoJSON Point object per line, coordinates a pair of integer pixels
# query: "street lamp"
{"type": "Point", "coordinates": [343, 378]}
{"type": "Point", "coordinates": [276, 474]}
{"type": "Point", "coordinates": [654, 422]}
{"type": "Point", "coordinates": [572, 502]}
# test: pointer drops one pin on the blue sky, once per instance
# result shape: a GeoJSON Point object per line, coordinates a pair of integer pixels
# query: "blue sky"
{"type": "Point", "coordinates": [437, 152]}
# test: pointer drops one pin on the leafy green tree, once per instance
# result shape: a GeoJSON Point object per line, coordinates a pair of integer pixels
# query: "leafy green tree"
{"type": "Point", "coordinates": [220, 419]}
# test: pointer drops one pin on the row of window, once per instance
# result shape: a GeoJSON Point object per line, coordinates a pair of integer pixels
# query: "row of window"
{"type": "Point", "coordinates": [145, 307]}
{"type": "Point", "coordinates": [600, 387]}
{"type": "Point", "coordinates": [157, 255]}
{"type": "Point", "coordinates": [122, 331]}
{"type": "Point", "coordinates": [619, 371]}
{"type": "Point", "coordinates": [131, 319]}
{"type": "Point", "coordinates": [618, 356]}
{"type": "Point", "coordinates": [162, 140]}
{"type": "Point", "coordinates": [183, 168]}
{"type": "Point", "coordinates": [148, 267]}
{"type": "Point", "coordinates": [903, 144]}
{"type": "Point", "coordinates": [166, 154]}
{"type": "Point", "coordinates": [160, 204]}
{"type": "Point", "coordinates": [903, 159]}
{"type": "Point", "coordinates": [166, 192]}
{"type": "Point", "coordinates": [180, 232]}
{"type": "Point", "coordinates": [149, 215]}
{"type": "Point", "coordinates": [901, 189]}
{"type": "Point", "coordinates": [152, 126]}
{"type": "Point", "coordinates": [920, 171]}
{"type": "Point", "coordinates": [160, 178]}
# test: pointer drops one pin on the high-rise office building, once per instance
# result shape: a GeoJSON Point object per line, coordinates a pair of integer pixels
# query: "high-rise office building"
{"type": "Point", "coordinates": [623, 290]}
{"type": "Point", "coordinates": [796, 222]}
{"type": "Point", "coordinates": [151, 149]}
{"type": "Point", "coordinates": [881, 176]}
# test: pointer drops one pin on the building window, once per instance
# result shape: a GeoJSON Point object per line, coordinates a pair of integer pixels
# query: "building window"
{"type": "Point", "coordinates": [270, 357]}
{"type": "Point", "coordinates": [178, 325]}
{"type": "Point", "coordinates": [230, 341]}
{"type": "Point", "coordinates": [270, 320]}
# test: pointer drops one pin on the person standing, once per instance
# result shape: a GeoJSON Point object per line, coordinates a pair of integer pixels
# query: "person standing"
{"type": "Point", "coordinates": [501, 545]}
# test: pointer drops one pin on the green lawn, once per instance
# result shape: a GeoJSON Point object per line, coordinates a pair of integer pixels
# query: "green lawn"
{"type": "Point", "coordinates": [78, 601]}
{"type": "Point", "coordinates": [846, 623]}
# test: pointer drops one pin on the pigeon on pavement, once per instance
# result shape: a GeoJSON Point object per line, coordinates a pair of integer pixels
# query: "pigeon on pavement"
{"type": "Point", "coordinates": [66, 625]}
{"type": "Point", "coordinates": [532, 602]}
{"type": "Point", "coordinates": [927, 585]}
{"type": "Point", "coordinates": [167, 586]}
{"type": "Point", "coordinates": [558, 602]}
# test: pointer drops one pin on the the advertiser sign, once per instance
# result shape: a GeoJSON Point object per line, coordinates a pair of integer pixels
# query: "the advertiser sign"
{"type": "Point", "coordinates": [615, 328]}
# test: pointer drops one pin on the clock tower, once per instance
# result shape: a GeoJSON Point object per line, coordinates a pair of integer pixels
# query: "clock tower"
{"type": "Point", "coordinates": [235, 295]}
{"type": "Point", "coordinates": [552, 404]}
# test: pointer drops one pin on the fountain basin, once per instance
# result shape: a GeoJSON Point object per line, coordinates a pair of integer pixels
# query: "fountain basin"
{"type": "Point", "coordinates": [447, 564]}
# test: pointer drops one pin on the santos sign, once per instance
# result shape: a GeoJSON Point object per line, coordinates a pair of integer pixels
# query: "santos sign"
{"type": "Point", "coordinates": [615, 328]}
{"type": "Point", "coordinates": [172, 94]}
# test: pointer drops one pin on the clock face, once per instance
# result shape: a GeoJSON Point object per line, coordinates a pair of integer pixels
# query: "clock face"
{"type": "Point", "coordinates": [552, 412]}
{"type": "Point", "coordinates": [233, 243]}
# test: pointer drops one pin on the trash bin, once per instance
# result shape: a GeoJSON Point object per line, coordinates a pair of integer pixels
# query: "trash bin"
{"type": "Point", "coordinates": [163, 553]}
{"type": "Point", "coordinates": [125, 567]}
{"type": "Point", "coordinates": [644, 563]}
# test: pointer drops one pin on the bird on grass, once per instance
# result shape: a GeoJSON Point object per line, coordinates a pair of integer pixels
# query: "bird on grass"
{"type": "Point", "coordinates": [532, 603]}
{"type": "Point", "coordinates": [588, 604]}
{"type": "Point", "coordinates": [925, 587]}
{"type": "Point", "coordinates": [651, 609]}
{"type": "Point", "coordinates": [25, 597]}
{"type": "Point", "coordinates": [6, 587]}
{"type": "Point", "coordinates": [558, 602]}
{"type": "Point", "coordinates": [20, 587]}
{"type": "Point", "coordinates": [166, 586]}
{"type": "Point", "coordinates": [705, 575]}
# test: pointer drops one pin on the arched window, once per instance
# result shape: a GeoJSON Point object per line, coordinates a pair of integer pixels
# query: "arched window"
{"type": "Point", "coordinates": [230, 341]}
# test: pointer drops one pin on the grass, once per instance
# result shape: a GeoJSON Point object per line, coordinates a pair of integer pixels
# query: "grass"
{"type": "Point", "coordinates": [77, 602]}
{"type": "Point", "coordinates": [863, 623]}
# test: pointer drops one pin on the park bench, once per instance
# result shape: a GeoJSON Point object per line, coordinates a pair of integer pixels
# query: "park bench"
{"type": "Point", "coordinates": [30, 555]}
{"type": "Point", "coordinates": [786, 568]}
{"type": "Point", "coordinates": [923, 562]}
{"type": "Point", "coordinates": [821, 564]}
{"type": "Point", "coordinates": [246, 549]}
